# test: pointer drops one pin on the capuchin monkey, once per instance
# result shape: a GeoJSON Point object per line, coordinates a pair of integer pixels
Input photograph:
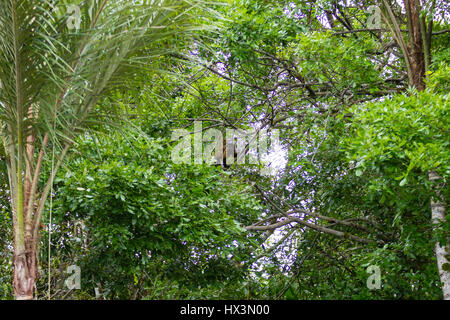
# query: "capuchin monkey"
{"type": "Point", "coordinates": [227, 148]}
{"type": "Point", "coordinates": [221, 157]}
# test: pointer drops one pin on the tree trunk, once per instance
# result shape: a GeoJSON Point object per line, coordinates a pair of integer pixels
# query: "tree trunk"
{"type": "Point", "coordinates": [25, 274]}
{"type": "Point", "coordinates": [26, 269]}
{"type": "Point", "coordinates": [442, 252]}
{"type": "Point", "coordinates": [415, 48]}
{"type": "Point", "coordinates": [27, 213]}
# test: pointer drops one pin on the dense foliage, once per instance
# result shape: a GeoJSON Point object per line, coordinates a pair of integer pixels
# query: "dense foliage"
{"type": "Point", "coordinates": [351, 189]}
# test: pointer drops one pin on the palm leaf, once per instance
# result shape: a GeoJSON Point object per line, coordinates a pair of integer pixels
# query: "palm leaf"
{"type": "Point", "coordinates": [56, 68]}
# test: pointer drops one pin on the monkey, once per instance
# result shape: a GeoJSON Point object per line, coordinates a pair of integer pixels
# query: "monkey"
{"type": "Point", "coordinates": [227, 148]}
{"type": "Point", "coordinates": [221, 155]}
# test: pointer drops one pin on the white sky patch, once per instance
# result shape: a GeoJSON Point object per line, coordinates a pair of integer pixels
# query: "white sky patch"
{"type": "Point", "coordinates": [276, 158]}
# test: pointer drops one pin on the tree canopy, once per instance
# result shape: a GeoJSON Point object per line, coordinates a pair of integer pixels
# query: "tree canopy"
{"type": "Point", "coordinates": [354, 206]}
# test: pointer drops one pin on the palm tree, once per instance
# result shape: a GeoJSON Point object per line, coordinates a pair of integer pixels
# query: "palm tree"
{"type": "Point", "coordinates": [58, 60]}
